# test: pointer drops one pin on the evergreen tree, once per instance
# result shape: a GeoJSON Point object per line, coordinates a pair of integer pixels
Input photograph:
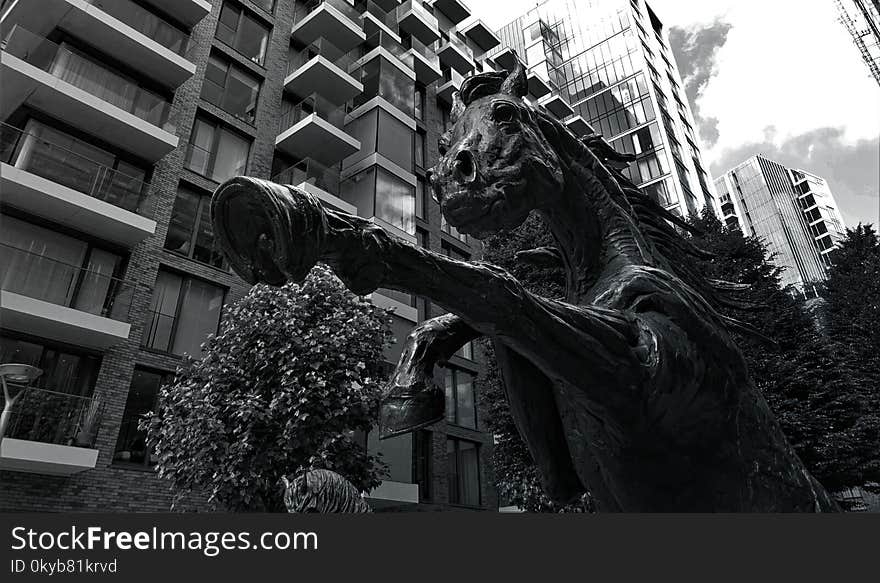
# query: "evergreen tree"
{"type": "Point", "coordinates": [817, 384]}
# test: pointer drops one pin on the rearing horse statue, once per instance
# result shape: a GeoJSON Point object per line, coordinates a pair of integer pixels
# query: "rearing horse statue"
{"type": "Point", "coordinates": [632, 388]}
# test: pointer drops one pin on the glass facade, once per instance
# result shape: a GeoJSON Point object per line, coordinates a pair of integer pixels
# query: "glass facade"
{"type": "Point", "coordinates": [760, 197]}
{"type": "Point", "coordinates": [603, 57]}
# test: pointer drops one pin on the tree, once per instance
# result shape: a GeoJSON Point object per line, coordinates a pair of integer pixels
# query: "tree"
{"type": "Point", "coordinates": [818, 385]}
{"type": "Point", "coordinates": [293, 373]}
{"type": "Point", "coordinates": [516, 476]}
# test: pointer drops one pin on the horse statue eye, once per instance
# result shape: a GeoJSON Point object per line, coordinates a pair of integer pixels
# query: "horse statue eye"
{"type": "Point", "coordinates": [505, 113]}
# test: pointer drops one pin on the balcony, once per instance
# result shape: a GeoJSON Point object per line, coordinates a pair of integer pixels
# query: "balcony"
{"type": "Point", "coordinates": [83, 93]}
{"type": "Point", "coordinates": [317, 179]}
{"type": "Point", "coordinates": [376, 18]}
{"type": "Point", "coordinates": [323, 69]}
{"type": "Point", "coordinates": [556, 105]}
{"type": "Point", "coordinates": [311, 129]}
{"type": "Point", "coordinates": [51, 433]}
{"type": "Point", "coordinates": [507, 59]}
{"type": "Point", "coordinates": [538, 86]}
{"type": "Point", "coordinates": [455, 10]}
{"type": "Point", "coordinates": [413, 18]}
{"type": "Point", "coordinates": [128, 31]}
{"type": "Point", "coordinates": [50, 181]}
{"type": "Point", "coordinates": [335, 20]}
{"type": "Point", "coordinates": [425, 62]}
{"type": "Point", "coordinates": [454, 53]}
{"type": "Point", "coordinates": [450, 83]}
{"type": "Point", "coordinates": [188, 12]}
{"type": "Point", "coordinates": [579, 126]}
{"type": "Point", "coordinates": [68, 303]}
{"type": "Point", "coordinates": [480, 34]}
{"type": "Point", "coordinates": [387, 5]}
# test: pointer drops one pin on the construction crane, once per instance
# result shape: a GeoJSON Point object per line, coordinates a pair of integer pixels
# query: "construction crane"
{"type": "Point", "coordinates": [863, 24]}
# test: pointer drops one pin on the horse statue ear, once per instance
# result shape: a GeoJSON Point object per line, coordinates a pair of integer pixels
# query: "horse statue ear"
{"type": "Point", "coordinates": [516, 84]}
{"type": "Point", "coordinates": [458, 107]}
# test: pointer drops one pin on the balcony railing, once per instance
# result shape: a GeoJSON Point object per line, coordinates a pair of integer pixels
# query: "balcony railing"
{"type": "Point", "coordinates": [36, 155]}
{"type": "Point", "coordinates": [387, 42]}
{"type": "Point", "coordinates": [417, 46]}
{"type": "Point", "coordinates": [50, 280]}
{"type": "Point", "coordinates": [88, 75]}
{"type": "Point", "coordinates": [451, 75]}
{"type": "Point", "coordinates": [58, 418]}
{"type": "Point", "coordinates": [417, 7]}
{"type": "Point", "coordinates": [456, 41]}
{"type": "Point", "coordinates": [303, 10]}
{"type": "Point", "coordinates": [313, 104]}
{"type": "Point", "coordinates": [321, 47]}
{"type": "Point", "coordinates": [146, 23]}
{"type": "Point", "coordinates": [311, 172]}
{"type": "Point", "coordinates": [387, 18]}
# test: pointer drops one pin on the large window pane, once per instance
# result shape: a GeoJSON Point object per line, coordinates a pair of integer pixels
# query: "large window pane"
{"type": "Point", "coordinates": [231, 158]}
{"type": "Point", "coordinates": [395, 201]}
{"type": "Point", "coordinates": [469, 473]}
{"type": "Point", "coordinates": [206, 249]}
{"type": "Point", "coordinates": [395, 141]}
{"type": "Point", "coordinates": [63, 371]}
{"type": "Point", "coordinates": [163, 308]}
{"type": "Point", "coordinates": [467, 416]}
{"type": "Point", "coordinates": [242, 33]}
{"type": "Point", "coordinates": [131, 445]}
{"type": "Point", "coordinates": [231, 89]}
{"type": "Point", "coordinates": [183, 220]}
{"type": "Point", "coordinates": [199, 316]}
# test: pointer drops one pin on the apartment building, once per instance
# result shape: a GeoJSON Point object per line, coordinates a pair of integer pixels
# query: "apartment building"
{"type": "Point", "coordinates": [792, 211]}
{"type": "Point", "coordinates": [119, 119]}
{"type": "Point", "coordinates": [607, 65]}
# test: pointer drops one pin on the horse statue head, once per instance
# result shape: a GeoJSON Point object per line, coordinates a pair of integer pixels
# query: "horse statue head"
{"type": "Point", "coordinates": [497, 164]}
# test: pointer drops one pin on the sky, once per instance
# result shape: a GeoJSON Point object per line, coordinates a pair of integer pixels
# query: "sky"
{"type": "Point", "coordinates": [780, 78]}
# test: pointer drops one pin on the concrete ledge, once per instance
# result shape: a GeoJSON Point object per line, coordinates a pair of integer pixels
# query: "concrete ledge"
{"type": "Point", "coordinates": [34, 457]}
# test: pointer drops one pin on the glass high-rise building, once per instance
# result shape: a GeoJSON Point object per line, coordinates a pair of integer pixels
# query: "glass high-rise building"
{"type": "Point", "coordinates": [792, 211]}
{"type": "Point", "coordinates": [607, 65]}
{"type": "Point", "coordinates": [862, 20]}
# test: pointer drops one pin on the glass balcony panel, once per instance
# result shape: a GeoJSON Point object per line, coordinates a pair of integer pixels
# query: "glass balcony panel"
{"type": "Point", "coordinates": [57, 418]}
{"type": "Point", "coordinates": [321, 47]}
{"type": "Point", "coordinates": [303, 10]}
{"type": "Point", "coordinates": [147, 23]}
{"type": "Point", "coordinates": [313, 104]}
{"type": "Point", "coordinates": [81, 71]}
{"type": "Point", "coordinates": [312, 172]}
{"type": "Point", "coordinates": [92, 290]}
{"type": "Point", "coordinates": [41, 157]}
{"type": "Point", "coordinates": [417, 46]}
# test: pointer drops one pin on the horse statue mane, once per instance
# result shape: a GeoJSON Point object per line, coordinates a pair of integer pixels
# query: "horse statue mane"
{"type": "Point", "coordinates": [323, 492]}
{"type": "Point", "coordinates": [661, 228]}
{"type": "Point", "coordinates": [632, 389]}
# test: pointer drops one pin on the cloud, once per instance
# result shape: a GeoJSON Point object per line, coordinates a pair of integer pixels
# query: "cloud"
{"type": "Point", "coordinates": [850, 169]}
{"type": "Point", "coordinates": [696, 49]}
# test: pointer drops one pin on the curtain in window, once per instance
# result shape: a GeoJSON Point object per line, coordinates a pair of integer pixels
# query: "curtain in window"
{"type": "Point", "coordinates": [131, 444]}
{"type": "Point", "coordinates": [97, 283]}
{"type": "Point", "coordinates": [201, 143]}
{"type": "Point", "coordinates": [467, 416]}
{"type": "Point", "coordinates": [163, 308]}
{"type": "Point", "coordinates": [395, 201]}
{"type": "Point", "coordinates": [448, 381]}
{"type": "Point", "coordinates": [39, 263]}
{"type": "Point", "coordinates": [231, 157]}
{"type": "Point", "coordinates": [199, 316]}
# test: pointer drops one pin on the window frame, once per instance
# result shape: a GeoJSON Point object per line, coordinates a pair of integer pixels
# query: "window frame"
{"type": "Point", "coordinates": [230, 65]}
{"type": "Point", "coordinates": [455, 372]}
{"type": "Point", "coordinates": [164, 378]}
{"type": "Point", "coordinates": [457, 441]}
{"type": "Point", "coordinates": [204, 199]}
{"type": "Point", "coordinates": [219, 128]}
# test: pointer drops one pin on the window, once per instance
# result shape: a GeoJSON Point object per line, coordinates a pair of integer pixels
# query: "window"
{"type": "Point", "coordinates": [131, 445]}
{"type": "Point", "coordinates": [422, 198]}
{"type": "Point", "coordinates": [231, 89]}
{"type": "Point", "coordinates": [420, 102]}
{"type": "Point", "coordinates": [243, 33]}
{"type": "Point", "coordinates": [419, 150]}
{"type": "Point", "coordinates": [64, 371]}
{"type": "Point", "coordinates": [422, 454]}
{"type": "Point", "coordinates": [267, 5]}
{"type": "Point", "coordinates": [395, 201]}
{"type": "Point", "coordinates": [460, 403]}
{"type": "Point", "coordinates": [463, 472]}
{"type": "Point", "coordinates": [183, 312]}
{"type": "Point", "coordinates": [191, 232]}
{"type": "Point", "coordinates": [49, 266]}
{"type": "Point", "coordinates": [216, 152]}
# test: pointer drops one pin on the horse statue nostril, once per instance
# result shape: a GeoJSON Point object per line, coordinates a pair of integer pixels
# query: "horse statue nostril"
{"type": "Point", "coordinates": [465, 166]}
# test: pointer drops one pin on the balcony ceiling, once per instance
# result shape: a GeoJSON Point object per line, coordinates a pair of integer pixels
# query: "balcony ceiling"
{"type": "Point", "coordinates": [455, 10]}
{"type": "Point", "coordinates": [417, 25]}
{"type": "Point", "coordinates": [481, 34]}
{"type": "Point", "coordinates": [25, 83]}
{"type": "Point", "coordinates": [90, 23]}
{"type": "Point", "coordinates": [328, 22]}
{"type": "Point", "coordinates": [316, 138]}
{"type": "Point", "coordinates": [451, 56]}
{"type": "Point", "coordinates": [324, 78]}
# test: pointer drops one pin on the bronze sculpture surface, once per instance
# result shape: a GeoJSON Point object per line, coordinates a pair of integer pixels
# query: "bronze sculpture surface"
{"type": "Point", "coordinates": [323, 492]}
{"type": "Point", "coordinates": [632, 388]}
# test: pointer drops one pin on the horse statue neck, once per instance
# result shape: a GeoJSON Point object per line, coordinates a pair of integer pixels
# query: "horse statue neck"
{"type": "Point", "coordinates": [595, 236]}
